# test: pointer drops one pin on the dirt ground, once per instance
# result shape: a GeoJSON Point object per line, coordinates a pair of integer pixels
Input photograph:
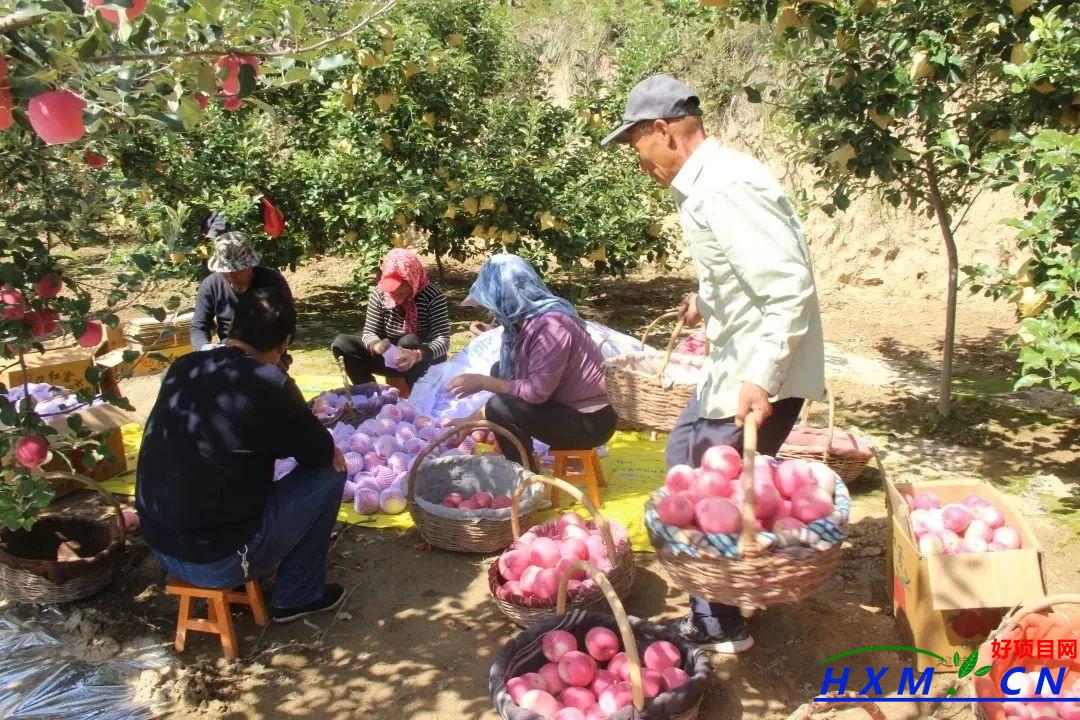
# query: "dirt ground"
{"type": "Point", "coordinates": [419, 631]}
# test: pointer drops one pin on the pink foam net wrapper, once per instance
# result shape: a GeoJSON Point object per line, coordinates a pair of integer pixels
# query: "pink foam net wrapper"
{"type": "Point", "coordinates": [391, 356]}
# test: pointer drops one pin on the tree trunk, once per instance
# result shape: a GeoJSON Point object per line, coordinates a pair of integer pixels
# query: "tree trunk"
{"type": "Point", "coordinates": [945, 391]}
{"type": "Point", "coordinates": [439, 265]}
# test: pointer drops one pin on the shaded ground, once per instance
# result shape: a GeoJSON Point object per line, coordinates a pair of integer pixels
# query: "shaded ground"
{"type": "Point", "coordinates": [419, 631]}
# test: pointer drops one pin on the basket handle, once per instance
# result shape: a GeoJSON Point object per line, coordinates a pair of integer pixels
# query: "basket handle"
{"type": "Point", "coordinates": [1013, 617]}
{"type": "Point", "coordinates": [601, 521]}
{"type": "Point", "coordinates": [678, 313]}
{"type": "Point", "coordinates": [93, 485]}
{"type": "Point", "coordinates": [348, 383]}
{"type": "Point", "coordinates": [748, 536]}
{"type": "Point", "coordinates": [831, 429]}
{"type": "Point", "coordinates": [617, 609]}
{"type": "Point", "coordinates": [469, 426]}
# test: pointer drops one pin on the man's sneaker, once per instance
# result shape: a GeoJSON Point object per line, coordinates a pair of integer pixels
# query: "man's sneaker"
{"type": "Point", "coordinates": [333, 596]}
{"type": "Point", "coordinates": [731, 641]}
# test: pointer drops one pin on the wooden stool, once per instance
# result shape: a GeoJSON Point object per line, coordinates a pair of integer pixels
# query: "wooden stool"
{"type": "Point", "coordinates": [400, 384]}
{"type": "Point", "coordinates": [591, 472]}
{"type": "Point", "coordinates": [219, 618]}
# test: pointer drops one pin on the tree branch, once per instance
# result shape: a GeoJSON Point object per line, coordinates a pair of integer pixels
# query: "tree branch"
{"type": "Point", "coordinates": [265, 55]}
{"type": "Point", "coordinates": [19, 20]}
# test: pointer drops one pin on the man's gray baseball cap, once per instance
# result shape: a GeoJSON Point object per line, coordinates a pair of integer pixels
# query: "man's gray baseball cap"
{"type": "Point", "coordinates": [654, 98]}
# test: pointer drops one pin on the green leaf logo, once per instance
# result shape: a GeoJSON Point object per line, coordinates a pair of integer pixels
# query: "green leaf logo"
{"type": "Point", "coordinates": [984, 670]}
{"type": "Point", "coordinates": [968, 665]}
{"type": "Point", "coordinates": [956, 658]}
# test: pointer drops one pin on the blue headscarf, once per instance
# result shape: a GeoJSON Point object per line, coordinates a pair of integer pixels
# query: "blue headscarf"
{"type": "Point", "coordinates": [510, 288]}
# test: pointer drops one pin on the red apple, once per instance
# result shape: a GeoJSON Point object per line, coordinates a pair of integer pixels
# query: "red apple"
{"type": "Point", "coordinates": [91, 337]}
{"type": "Point", "coordinates": [31, 450]}
{"type": "Point", "coordinates": [138, 7]}
{"type": "Point", "coordinates": [230, 85]}
{"type": "Point", "coordinates": [57, 116]}
{"type": "Point", "coordinates": [42, 322]}
{"type": "Point", "coordinates": [49, 286]}
{"type": "Point", "coordinates": [95, 161]}
{"type": "Point", "coordinates": [13, 304]}
{"type": "Point", "coordinates": [7, 119]}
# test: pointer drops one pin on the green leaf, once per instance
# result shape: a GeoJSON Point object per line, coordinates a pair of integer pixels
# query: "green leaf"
{"type": "Point", "coordinates": [752, 94]}
{"type": "Point", "coordinates": [295, 17]}
{"type": "Point", "coordinates": [214, 9]}
{"type": "Point", "coordinates": [968, 665]}
{"type": "Point", "coordinates": [88, 47]}
{"type": "Point", "coordinates": [298, 74]}
{"type": "Point", "coordinates": [140, 35]}
{"type": "Point", "coordinates": [332, 62]}
{"type": "Point", "coordinates": [984, 670]}
{"type": "Point", "coordinates": [950, 139]}
{"type": "Point", "coordinates": [247, 81]}
{"type": "Point", "coordinates": [956, 659]}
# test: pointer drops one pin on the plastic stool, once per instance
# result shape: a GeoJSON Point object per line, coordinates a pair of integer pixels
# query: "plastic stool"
{"type": "Point", "coordinates": [591, 472]}
{"type": "Point", "coordinates": [218, 619]}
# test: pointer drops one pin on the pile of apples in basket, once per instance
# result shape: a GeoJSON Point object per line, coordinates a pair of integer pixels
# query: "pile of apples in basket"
{"type": "Point", "coordinates": [787, 495]}
{"type": "Point", "coordinates": [593, 684]}
{"type": "Point", "coordinates": [530, 569]}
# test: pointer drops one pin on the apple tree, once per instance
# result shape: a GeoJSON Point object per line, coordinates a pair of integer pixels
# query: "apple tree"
{"type": "Point", "coordinates": [437, 122]}
{"type": "Point", "coordinates": [917, 101]}
{"type": "Point", "coordinates": [78, 84]}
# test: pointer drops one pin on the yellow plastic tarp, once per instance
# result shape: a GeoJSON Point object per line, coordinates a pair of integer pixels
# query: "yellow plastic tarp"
{"type": "Point", "coordinates": [634, 467]}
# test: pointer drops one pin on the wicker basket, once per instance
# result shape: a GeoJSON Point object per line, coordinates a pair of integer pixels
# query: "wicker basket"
{"type": "Point", "coordinates": [348, 413]}
{"type": "Point", "coordinates": [522, 654]}
{"type": "Point", "coordinates": [474, 535]}
{"type": "Point", "coordinates": [758, 577]}
{"type": "Point", "coordinates": [621, 576]}
{"type": "Point", "coordinates": [849, 465]}
{"type": "Point", "coordinates": [1028, 619]}
{"type": "Point", "coordinates": [636, 387]}
{"type": "Point", "coordinates": [31, 580]}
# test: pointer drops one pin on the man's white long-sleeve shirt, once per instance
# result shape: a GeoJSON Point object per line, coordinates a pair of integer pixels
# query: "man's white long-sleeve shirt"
{"type": "Point", "coordinates": [756, 282]}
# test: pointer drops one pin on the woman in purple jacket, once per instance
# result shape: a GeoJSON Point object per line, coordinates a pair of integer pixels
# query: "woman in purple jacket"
{"type": "Point", "coordinates": [549, 381]}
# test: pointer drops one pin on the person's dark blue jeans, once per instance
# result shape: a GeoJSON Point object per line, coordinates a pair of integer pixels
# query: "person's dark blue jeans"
{"type": "Point", "coordinates": [689, 440]}
{"type": "Point", "coordinates": [294, 540]}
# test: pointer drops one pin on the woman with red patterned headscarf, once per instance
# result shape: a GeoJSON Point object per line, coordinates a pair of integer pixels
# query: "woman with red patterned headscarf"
{"type": "Point", "coordinates": [407, 328]}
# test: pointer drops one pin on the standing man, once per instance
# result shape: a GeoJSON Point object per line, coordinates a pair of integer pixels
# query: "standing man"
{"type": "Point", "coordinates": [235, 271]}
{"type": "Point", "coordinates": [756, 294]}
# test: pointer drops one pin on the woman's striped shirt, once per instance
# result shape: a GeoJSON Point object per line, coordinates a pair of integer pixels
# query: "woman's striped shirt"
{"type": "Point", "coordinates": [432, 317]}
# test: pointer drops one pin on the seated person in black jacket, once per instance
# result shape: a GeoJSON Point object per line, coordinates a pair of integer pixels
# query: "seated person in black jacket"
{"type": "Point", "coordinates": [235, 272]}
{"type": "Point", "coordinates": [205, 491]}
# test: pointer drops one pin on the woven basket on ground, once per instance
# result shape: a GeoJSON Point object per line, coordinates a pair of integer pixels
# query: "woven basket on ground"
{"type": "Point", "coordinates": [523, 654]}
{"type": "Point", "coordinates": [758, 577]}
{"type": "Point", "coordinates": [1032, 621]}
{"type": "Point", "coordinates": [349, 413]}
{"type": "Point", "coordinates": [847, 454]}
{"type": "Point", "coordinates": [527, 612]}
{"type": "Point", "coordinates": [44, 579]}
{"type": "Point", "coordinates": [640, 394]}
{"type": "Point", "coordinates": [470, 535]}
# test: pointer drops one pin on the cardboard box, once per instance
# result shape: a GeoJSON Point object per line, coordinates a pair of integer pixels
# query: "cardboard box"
{"type": "Point", "coordinates": [98, 418]}
{"type": "Point", "coordinates": [64, 366]}
{"type": "Point", "coordinates": [950, 603]}
{"type": "Point", "coordinates": [144, 365]}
